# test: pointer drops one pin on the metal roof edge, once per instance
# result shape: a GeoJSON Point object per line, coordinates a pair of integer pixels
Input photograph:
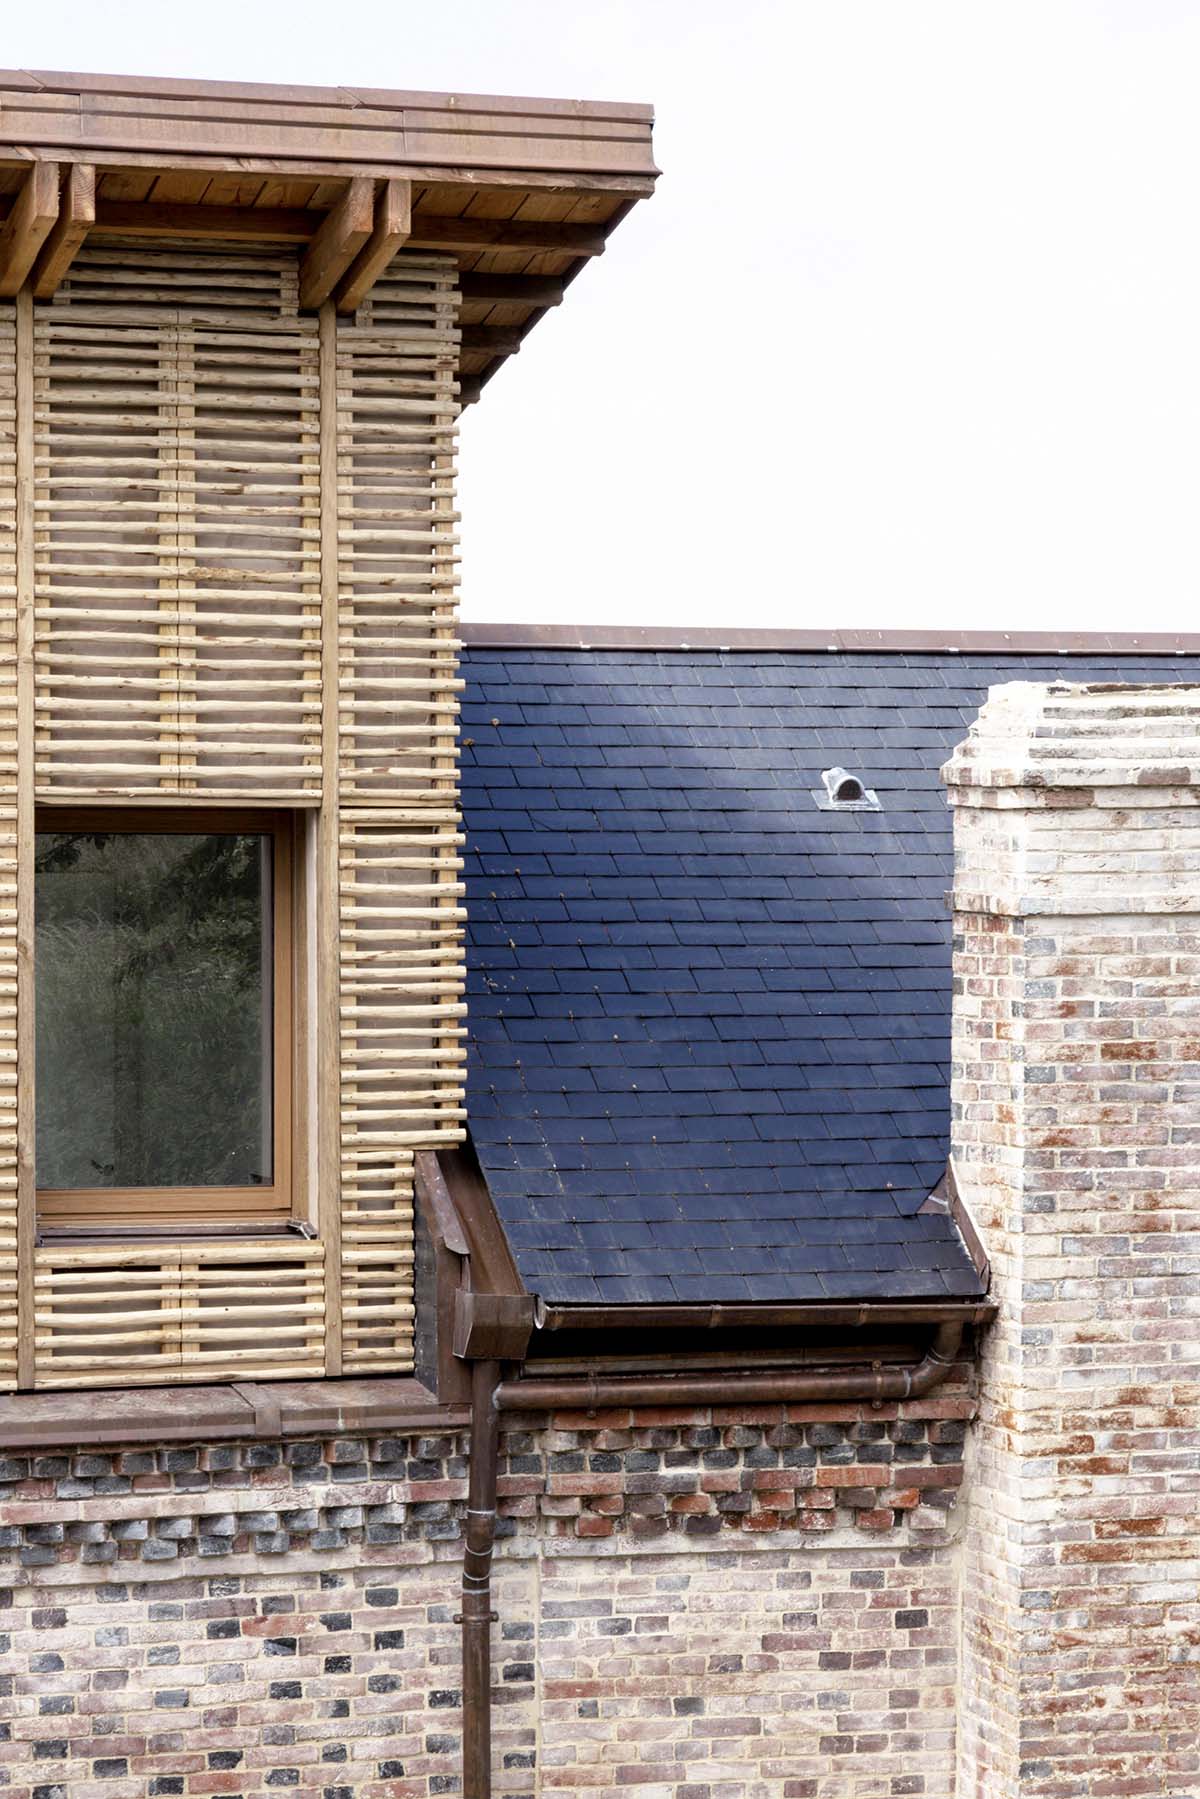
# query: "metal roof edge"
{"type": "Point", "coordinates": [476, 634]}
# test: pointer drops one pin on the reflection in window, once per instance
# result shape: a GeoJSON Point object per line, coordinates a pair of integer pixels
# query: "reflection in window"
{"type": "Point", "coordinates": [154, 1009]}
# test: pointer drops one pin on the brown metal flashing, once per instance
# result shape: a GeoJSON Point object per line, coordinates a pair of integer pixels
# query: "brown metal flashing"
{"type": "Point", "coordinates": [476, 634]}
{"type": "Point", "coordinates": [445, 1222]}
{"type": "Point", "coordinates": [493, 1269]}
{"type": "Point", "coordinates": [210, 1414]}
{"type": "Point", "coordinates": [946, 1198]}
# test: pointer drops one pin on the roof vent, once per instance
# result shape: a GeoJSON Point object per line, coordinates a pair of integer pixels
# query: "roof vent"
{"type": "Point", "coordinates": [844, 792]}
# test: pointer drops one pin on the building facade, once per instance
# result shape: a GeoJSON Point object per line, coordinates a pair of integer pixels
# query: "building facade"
{"type": "Point", "coordinates": [651, 1297]}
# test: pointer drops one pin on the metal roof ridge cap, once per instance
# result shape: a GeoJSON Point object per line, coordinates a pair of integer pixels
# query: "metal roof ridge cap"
{"type": "Point", "coordinates": [482, 634]}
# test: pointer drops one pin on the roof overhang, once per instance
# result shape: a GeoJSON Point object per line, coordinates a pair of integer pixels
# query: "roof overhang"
{"type": "Point", "coordinates": [523, 193]}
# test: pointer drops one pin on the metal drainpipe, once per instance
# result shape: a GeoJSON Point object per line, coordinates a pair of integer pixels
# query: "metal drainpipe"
{"type": "Point", "coordinates": [477, 1615]}
{"type": "Point", "coordinates": [489, 1397]}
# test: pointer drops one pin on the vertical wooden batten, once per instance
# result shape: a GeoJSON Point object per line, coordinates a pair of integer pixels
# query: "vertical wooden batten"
{"type": "Point", "coordinates": [24, 821]}
{"type": "Point", "coordinates": [328, 913]}
{"type": "Point", "coordinates": [9, 1234]}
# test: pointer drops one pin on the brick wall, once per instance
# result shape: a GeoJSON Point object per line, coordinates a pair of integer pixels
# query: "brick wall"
{"type": "Point", "coordinates": [1077, 1145]}
{"type": "Point", "coordinates": [698, 1606]}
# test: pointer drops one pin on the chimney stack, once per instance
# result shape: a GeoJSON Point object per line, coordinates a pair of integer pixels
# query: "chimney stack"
{"type": "Point", "coordinates": [1076, 1141]}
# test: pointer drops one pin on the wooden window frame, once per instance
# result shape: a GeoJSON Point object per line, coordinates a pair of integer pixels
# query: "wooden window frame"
{"type": "Point", "coordinates": [124, 1211]}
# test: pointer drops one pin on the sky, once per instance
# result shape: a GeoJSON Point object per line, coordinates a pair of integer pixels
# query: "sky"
{"type": "Point", "coordinates": [908, 336]}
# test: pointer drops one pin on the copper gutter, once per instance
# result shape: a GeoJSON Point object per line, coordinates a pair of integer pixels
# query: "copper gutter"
{"type": "Point", "coordinates": [830, 1315]}
{"type": "Point", "coordinates": [595, 1393]}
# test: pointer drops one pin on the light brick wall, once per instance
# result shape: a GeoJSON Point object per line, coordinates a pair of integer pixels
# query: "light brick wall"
{"type": "Point", "coordinates": [1077, 1146]}
{"type": "Point", "coordinates": [738, 1604]}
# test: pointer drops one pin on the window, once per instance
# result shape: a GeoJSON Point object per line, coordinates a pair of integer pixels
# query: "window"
{"type": "Point", "coordinates": [163, 976]}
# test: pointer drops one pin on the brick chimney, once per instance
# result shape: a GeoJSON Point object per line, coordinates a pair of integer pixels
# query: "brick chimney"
{"type": "Point", "coordinates": [1076, 1138]}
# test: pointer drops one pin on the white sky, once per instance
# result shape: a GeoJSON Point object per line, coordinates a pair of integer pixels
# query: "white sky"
{"type": "Point", "coordinates": [909, 336]}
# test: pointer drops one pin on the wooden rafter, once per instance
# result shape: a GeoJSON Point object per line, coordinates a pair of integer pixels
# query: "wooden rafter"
{"type": "Point", "coordinates": [301, 225]}
{"type": "Point", "coordinates": [433, 232]}
{"type": "Point", "coordinates": [75, 220]}
{"type": "Point", "coordinates": [28, 226]}
{"type": "Point", "coordinates": [297, 224]}
{"type": "Point", "coordinates": [512, 290]}
{"type": "Point", "coordinates": [493, 340]}
{"type": "Point", "coordinates": [338, 240]}
{"type": "Point", "coordinates": [393, 223]}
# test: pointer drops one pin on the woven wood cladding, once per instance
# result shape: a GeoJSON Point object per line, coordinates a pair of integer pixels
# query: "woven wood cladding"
{"type": "Point", "coordinates": [400, 987]}
{"type": "Point", "coordinates": [196, 1312]}
{"type": "Point", "coordinates": [242, 590]}
{"type": "Point", "coordinates": [401, 1061]}
{"type": "Point", "coordinates": [396, 543]}
{"type": "Point", "coordinates": [178, 513]}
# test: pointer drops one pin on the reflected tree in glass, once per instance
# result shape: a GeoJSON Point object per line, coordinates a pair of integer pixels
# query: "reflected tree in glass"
{"type": "Point", "coordinates": [153, 981]}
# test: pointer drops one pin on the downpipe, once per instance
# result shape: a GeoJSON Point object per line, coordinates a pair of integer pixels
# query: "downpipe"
{"type": "Point", "coordinates": [477, 1616]}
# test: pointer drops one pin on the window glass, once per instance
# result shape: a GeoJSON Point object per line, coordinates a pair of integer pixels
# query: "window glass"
{"type": "Point", "coordinates": [154, 1009]}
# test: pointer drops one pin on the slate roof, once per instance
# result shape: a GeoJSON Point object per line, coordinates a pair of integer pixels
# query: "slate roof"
{"type": "Point", "coordinates": [709, 1021]}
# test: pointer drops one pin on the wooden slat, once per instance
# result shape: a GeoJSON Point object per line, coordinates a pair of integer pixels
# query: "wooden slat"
{"type": "Point", "coordinates": [393, 222]}
{"type": "Point", "coordinates": [75, 220]}
{"type": "Point", "coordinates": [338, 240]}
{"type": "Point", "coordinates": [27, 227]}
